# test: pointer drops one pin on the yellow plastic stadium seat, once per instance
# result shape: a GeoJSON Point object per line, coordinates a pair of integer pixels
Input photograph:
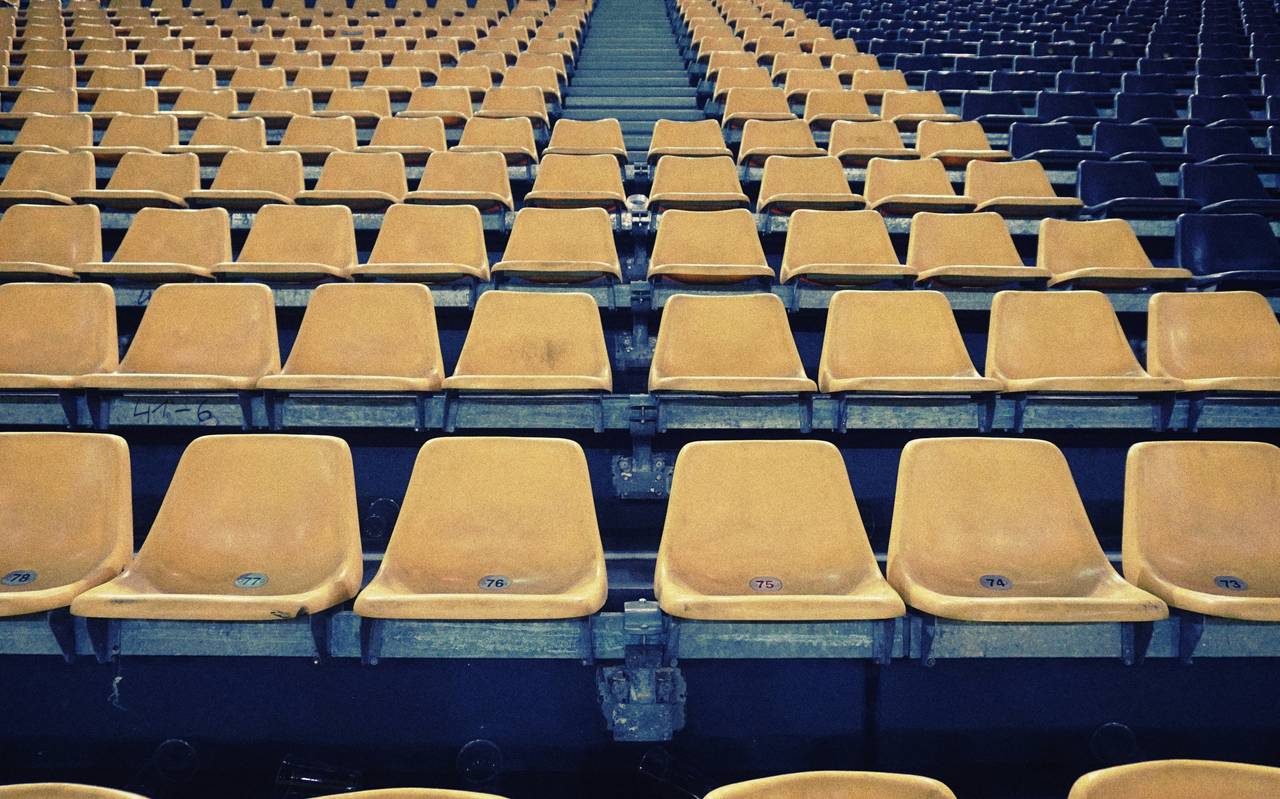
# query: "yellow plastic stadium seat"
{"type": "Point", "coordinates": [512, 137]}
{"type": "Point", "coordinates": [50, 102]}
{"type": "Point", "coordinates": [966, 249]}
{"type": "Point", "coordinates": [39, 242]}
{"type": "Point", "coordinates": [696, 184]}
{"type": "Point", "coordinates": [742, 105]}
{"type": "Point", "coordinates": [252, 528]}
{"type": "Point", "coordinates": [400, 82]}
{"type": "Point", "coordinates": [315, 138]}
{"type": "Point", "coordinates": [51, 333]}
{"type": "Point", "coordinates": [1014, 189]}
{"type": "Point", "coordinates": [369, 337]}
{"type": "Point", "coordinates": [900, 187]}
{"type": "Point", "coordinates": [770, 47]}
{"type": "Point", "coordinates": [1178, 779]}
{"type": "Point", "coordinates": [136, 133]}
{"type": "Point", "coordinates": [956, 143]}
{"type": "Point", "coordinates": [740, 78]}
{"type": "Point", "coordinates": [415, 139]}
{"type": "Point", "coordinates": [117, 78]}
{"type": "Point", "coordinates": [564, 244]}
{"type": "Point", "coordinates": [836, 784]}
{"type": "Point", "coordinates": [700, 139]}
{"type": "Point", "coordinates": [800, 83]}
{"type": "Point", "coordinates": [896, 342]}
{"type": "Point", "coordinates": [533, 341]}
{"type": "Point", "coordinates": [875, 82]}
{"type": "Point", "coordinates": [1179, 497]}
{"type": "Point", "coordinates": [66, 523]}
{"type": "Point", "coordinates": [840, 247]}
{"type": "Point", "coordinates": [1101, 254]}
{"type": "Point", "coordinates": [542, 78]}
{"type": "Point", "coordinates": [59, 790]}
{"type": "Point", "coordinates": [46, 178]}
{"type": "Point", "coordinates": [725, 60]}
{"type": "Point", "coordinates": [360, 181]}
{"type": "Point", "coordinates": [908, 109]}
{"type": "Point", "coordinates": [1064, 342]}
{"type": "Point", "coordinates": [762, 139]}
{"type": "Point", "coordinates": [215, 137]}
{"type": "Point", "coordinates": [531, 551]}
{"type": "Point", "coordinates": [993, 530]}
{"type": "Point", "coordinates": [1225, 341]}
{"type": "Point", "coordinates": [36, 77]}
{"type": "Point", "coordinates": [368, 106]}
{"type": "Point", "coordinates": [199, 337]}
{"type": "Point", "coordinates": [143, 180]}
{"type": "Point", "coordinates": [199, 103]}
{"type": "Point", "coordinates": [708, 247]}
{"type": "Point", "coordinates": [294, 243]}
{"type": "Point", "coordinates": [827, 49]}
{"type": "Point", "coordinates": [110, 102]}
{"type": "Point", "coordinates": [824, 107]}
{"type": "Point", "coordinates": [427, 64]}
{"type": "Point", "coordinates": [52, 134]}
{"type": "Point", "coordinates": [428, 243]}
{"type": "Point", "coordinates": [258, 77]}
{"type": "Point", "coordinates": [733, 344]}
{"type": "Point", "coordinates": [451, 104]}
{"type": "Point", "coordinates": [583, 137]}
{"type": "Point", "coordinates": [163, 244]}
{"type": "Point", "coordinates": [246, 181]}
{"type": "Point", "coordinates": [578, 181]}
{"type": "Point", "coordinates": [790, 184]}
{"type": "Point", "coordinates": [476, 80]}
{"type": "Point", "coordinates": [454, 178]}
{"type": "Point", "coordinates": [278, 105]}
{"type": "Point", "coordinates": [731, 552]}
{"type": "Point", "coordinates": [859, 143]}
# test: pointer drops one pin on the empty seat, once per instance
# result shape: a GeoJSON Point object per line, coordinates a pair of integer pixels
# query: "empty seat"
{"type": "Point", "coordinates": [696, 183]}
{"type": "Point", "coordinates": [1178, 498]}
{"type": "Point", "coordinates": [822, 108]}
{"type": "Point", "coordinates": [1229, 251]}
{"type": "Point", "coordinates": [967, 249]}
{"type": "Point", "coordinates": [587, 137]}
{"type": "Point", "coordinates": [360, 181]}
{"type": "Point", "coordinates": [52, 333]}
{"type": "Point", "coordinates": [52, 134]}
{"type": "Point", "coordinates": [143, 180]}
{"type": "Point", "coordinates": [1227, 189]}
{"type": "Point", "coordinates": [969, 543]}
{"type": "Point", "coordinates": [415, 139]}
{"type": "Point", "coordinates": [1215, 341]}
{"type": "Point", "coordinates": [516, 102]}
{"type": "Point", "coordinates": [1128, 190]}
{"type": "Point", "coordinates": [39, 242]}
{"type": "Point", "coordinates": [800, 83]}
{"type": "Point", "coordinates": [789, 184]}
{"type": "Point", "coordinates": [905, 186]}
{"type": "Point", "coordinates": [43, 178]}
{"type": "Point", "coordinates": [451, 104]}
{"type": "Point", "coordinates": [246, 181]}
{"type": "Point", "coordinates": [761, 139]}
{"type": "Point", "coordinates": [708, 247]}
{"type": "Point", "coordinates": [163, 244]}
{"type": "Point", "coordinates": [875, 82]}
{"type": "Point", "coordinates": [68, 522]}
{"type": "Point", "coordinates": [956, 143]}
{"type": "Point", "coordinates": [732, 344]}
{"type": "Point", "coordinates": [1064, 342]}
{"type": "Point", "coordinates": [856, 143]}
{"type": "Point", "coordinates": [136, 133]}
{"type": "Point", "coordinates": [251, 528]}
{"type": "Point", "coordinates": [731, 551]}
{"type": "Point", "coordinates": [278, 105]}
{"type": "Point", "coordinates": [476, 80]}
{"type": "Point", "coordinates": [294, 243]}
{"type": "Point", "coordinates": [62, 790]}
{"type": "Point", "coordinates": [110, 102]}
{"type": "Point", "coordinates": [533, 341]}
{"type": "Point", "coordinates": [742, 105]}
{"type": "Point", "coordinates": [460, 178]}
{"type": "Point", "coordinates": [853, 784]}
{"type": "Point", "coordinates": [727, 79]}
{"type": "Point", "coordinates": [908, 109]}
{"type": "Point", "coordinates": [199, 337]}
{"type": "Point", "coordinates": [561, 244]}
{"type": "Point", "coordinates": [428, 243]}
{"type": "Point", "coordinates": [533, 552]}
{"type": "Point", "coordinates": [513, 138]}
{"type": "Point", "coordinates": [30, 102]}
{"type": "Point", "coordinates": [896, 342]}
{"type": "Point", "coordinates": [687, 139]}
{"type": "Point", "coordinates": [367, 106]}
{"type": "Point", "coordinates": [315, 138]}
{"type": "Point", "coordinates": [1178, 779]}
{"type": "Point", "coordinates": [1101, 254]}
{"type": "Point", "coordinates": [370, 337]}
{"type": "Point", "coordinates": [214, 137]}
{"type": "Point", "coordinates": [578, 181]}
{"type": "Point", "coordinates": [840, 247]}
{"type": "Point", "coordinates": [198, 103]}
{"type": "Point", "coordinates": [1015, 189]}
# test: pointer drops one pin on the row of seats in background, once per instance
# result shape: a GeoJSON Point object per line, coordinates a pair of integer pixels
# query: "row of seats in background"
{"type": "Point", "coordinates": [443, 244]}
{"type": "Point", "coordinates": [964, 544]}
{"type": "Point", "coordinates": [383, 338]}
{"type": "Point", "coordinates": [1120, 782]}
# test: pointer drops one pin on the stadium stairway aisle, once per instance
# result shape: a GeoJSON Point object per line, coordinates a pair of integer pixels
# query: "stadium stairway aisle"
{"type": "Point", "coordinates": [630, 68]}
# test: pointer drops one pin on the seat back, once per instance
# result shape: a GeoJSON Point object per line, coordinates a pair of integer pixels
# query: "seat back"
{"type": "Point", "coordinates": [560, 235]}
{"type": "Point", "coordinates": [932, 137]}
{"type": "Point", "coordinates": [276, 172]}
{"type": "Point", "coordinates": [336, 132]}
{"type": "Point", "coordinates": [323, 234]}
{"type": "Point", "coordinates": [242, 134]}
{"type": "Point", "coordinates": [1209, 243]}
{"type": "Point", "coordinates": [1178, 779]}
{"type": "Point", "coordinates": [707, 238]}
{"type": "Point", "coordinates": [987, 180]}
{"type": "Point", "coordinates": [959, 240]}
{"type": "Point", "coordinates": [50, 234]}
{"type": "Point", "coordinates": [63, 132]}
{"type": "Point", "coordinates": [1100, 181]}
{"type": "Point", "coordinates": [379, 172]}
{"type": "Point", "coordinates": [176, 175]}
{"type": "Point", "coordinates": [1212, 334]}
{"type": "Point", "coordinates": [1066, 245]}
{"type": "Point", "coordinates": [162, 235]}
{"type": "Point", "coordinates": [60, 173]}
{"type": "Point", "coordinates": [433, 233]}
{"type": "Point", "coordinates": [1212, 183]}
{"type": "Point", "coordinates": [57, 329]}
{"type": "Point", "coordinates": [151, 132]}
{"type": "Point", "coordinates": [693, 176]}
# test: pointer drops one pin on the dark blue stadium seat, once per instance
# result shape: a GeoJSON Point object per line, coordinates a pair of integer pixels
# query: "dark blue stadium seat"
{"type": "Point", "coordinates": [909, 62]}
{"type": "Point", "coordinates": [1227, 145]}
{"type": "Point", "coordinates": [1055, 145]}
{"type": "Point", "coordinates": [1116, 50]}
{"type": "Point", "coordinates": [1127, 190]}
{"type": "Point", "coordinates": [1160, 110]}
{"type": "Point", "coordinates": [1004, 47]}
{"type": "Point", "coordinates": [1134, 83]}
{"type": "Point", "coordinates": [1136, 142]}
{"type": "Point", "coordinates": [1229, 251]}
{"type": "Point", "coordinates": [942, 81]}
{"type": "Point", "coordinates": [1034, 63]}
{"type": "Point", "coordinates": [1227, 189]}
{"type": "Point", "coordinates": [1222, 66]}
{"type": "Point", "coordinates": [1223, 85]}
{"type": "Point", "coordinates": [995, 110]}
{"type": "Point", "coordinates": [1107, 65]}
{"type": "Point", "coordinates": [1076, 108]}
{"type": "Point", "coordinates": [1093, 82]}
